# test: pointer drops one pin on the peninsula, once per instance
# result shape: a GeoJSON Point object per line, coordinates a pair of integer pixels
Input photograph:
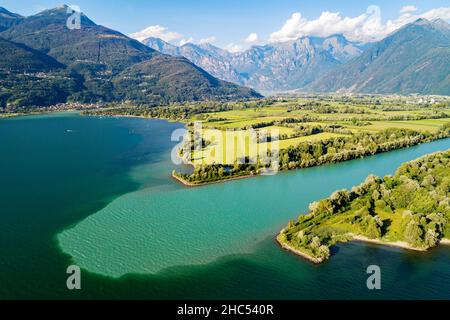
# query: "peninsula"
{"type": "Point", "coordinates": [410, 210]}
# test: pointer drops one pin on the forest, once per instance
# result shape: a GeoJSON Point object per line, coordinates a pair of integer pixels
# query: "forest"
{"type": "Point", "coordinates": [410, 209]}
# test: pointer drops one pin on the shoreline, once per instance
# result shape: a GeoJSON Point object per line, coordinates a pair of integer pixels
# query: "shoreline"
{"type": "Point", "coordinates": [297, 252]}
{"type": "Point", "coordinates": [131, 116]}
{"type": "Point", "coordinates": [37, 113]}
{"type": "Point", "coordinates": [8, 115]}
{"type": "Point", "coordinates": [202, 184]}
{"type": "Point", "coordinates": [358, 238]}
{"type": "Point", "coordinates": [396, 244]}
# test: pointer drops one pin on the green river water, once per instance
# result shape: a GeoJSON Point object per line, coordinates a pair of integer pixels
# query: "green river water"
{"type": "Point", "coordinates": [97, 192]}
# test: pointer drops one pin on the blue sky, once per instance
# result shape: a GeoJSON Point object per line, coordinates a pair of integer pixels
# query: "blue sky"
{"type": "Point", "coordinates": [229, 22]}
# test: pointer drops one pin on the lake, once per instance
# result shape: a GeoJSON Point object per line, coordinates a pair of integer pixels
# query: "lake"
{"type": "Point", "coordinates": [97, 192]}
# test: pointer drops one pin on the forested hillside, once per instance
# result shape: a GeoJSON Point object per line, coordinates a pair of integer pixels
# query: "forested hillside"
{"type": "Point", "coordinates": [99, 64]}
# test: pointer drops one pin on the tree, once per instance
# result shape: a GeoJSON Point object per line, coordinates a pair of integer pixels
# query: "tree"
{"type": "Point", "coordinates": [373, 230]}
{"type": "Point", "coordinates": [428, 181]}
{"type": "Point", "coordinates": [339, 199]}
{"type": "Point", "coordinates": [403, 194]}
{"type": "Point", "coordinates": [323, 252]}
{"type": "Point", "coordinates": [431, 238]}
{"type": "Point", "coordinates": [322, 207]}
{"type": "Point", "coordinates": [315, 243]}
{"type": "Point", "coordinates": [413, 233]}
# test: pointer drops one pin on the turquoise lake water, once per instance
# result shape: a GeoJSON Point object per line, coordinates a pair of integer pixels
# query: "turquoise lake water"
{"type": "Point", "coordinates": [97, 192]}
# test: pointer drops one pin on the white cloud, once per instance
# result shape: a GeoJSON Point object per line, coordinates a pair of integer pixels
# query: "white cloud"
{"type": "Point", "coordinates": [407, 9]}
{"type": "Point", "coordinates": [243, 44]}
{"type": "Point", "coordinates": [440, 13]}
{"type": "Point", "coordinates": [156, 31]}
{"type": "Point", "coordinates": [208, 40]}
{"type": "Point", "coordinates": [363, 28]}
{"type": "Point", "coordinates": [327, 24]}
{"type": "Point", "coordinates": [185, 41]}
{"type": "Point", "coordinates": [252, 38]}
{"type": "Point", "coordinates": [234, 48]}
{"type": "Point", "coordinates": [163, 33]}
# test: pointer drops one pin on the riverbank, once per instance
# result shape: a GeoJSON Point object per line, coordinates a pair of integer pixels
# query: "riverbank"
{"type": "Point", "coordinates": [408, 139]}
{"type": "Point", "coordinates": [232, 178]}
{"type": "Point", "coordinates": [397, 244]}
{"type": "Point", "coordinates": [359, 238]}
{"type": "Point", "coordinates": [200, 184]}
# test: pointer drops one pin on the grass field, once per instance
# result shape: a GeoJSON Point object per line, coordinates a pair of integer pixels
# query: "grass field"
{"type": "Point", "coordinates": [391, 220]}
{"type": "Point", "coordinates": [419, 125]}
{"type": "Point", "coordinates": [242, 118]}
{"type": "Point", "coordinates": [352, 117]}
{"type": "Point", "coordinates": [226, 147]}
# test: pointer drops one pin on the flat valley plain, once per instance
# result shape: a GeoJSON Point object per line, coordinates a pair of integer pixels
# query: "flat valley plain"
{"type": "Point", "coordinates": [347, 116]}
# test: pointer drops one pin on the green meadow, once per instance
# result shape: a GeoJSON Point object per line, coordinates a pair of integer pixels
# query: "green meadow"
{"type": "Point", "coordinates": [286, 116]}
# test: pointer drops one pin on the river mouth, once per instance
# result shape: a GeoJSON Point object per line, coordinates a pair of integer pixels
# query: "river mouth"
{"type": "Point", "coordinates": [150, 230]}
{"type": "Point", "coordinates": [214, 242]}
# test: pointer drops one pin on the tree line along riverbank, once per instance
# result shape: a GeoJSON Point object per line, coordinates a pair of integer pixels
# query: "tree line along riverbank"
{"type": "Point", "coordinates": [410, 210]}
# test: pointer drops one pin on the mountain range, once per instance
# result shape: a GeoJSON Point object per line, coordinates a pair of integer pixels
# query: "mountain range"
{"type": "Point", "coordinates": [8, 19]}
{"type": "Point", "coordinates": [273, 67]}
{"type": "Point", "coordinates": [413, 59]}
{"type": "Point", "coordinates": [44, 63]}
{"type": "Point", "coordinates": [94, 64]}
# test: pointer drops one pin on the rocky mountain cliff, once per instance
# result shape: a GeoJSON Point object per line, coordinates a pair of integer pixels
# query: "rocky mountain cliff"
{"type": "Point", "coordinates": [273, 67]}
{"type": "Point", "coordinates": [414, 59]}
